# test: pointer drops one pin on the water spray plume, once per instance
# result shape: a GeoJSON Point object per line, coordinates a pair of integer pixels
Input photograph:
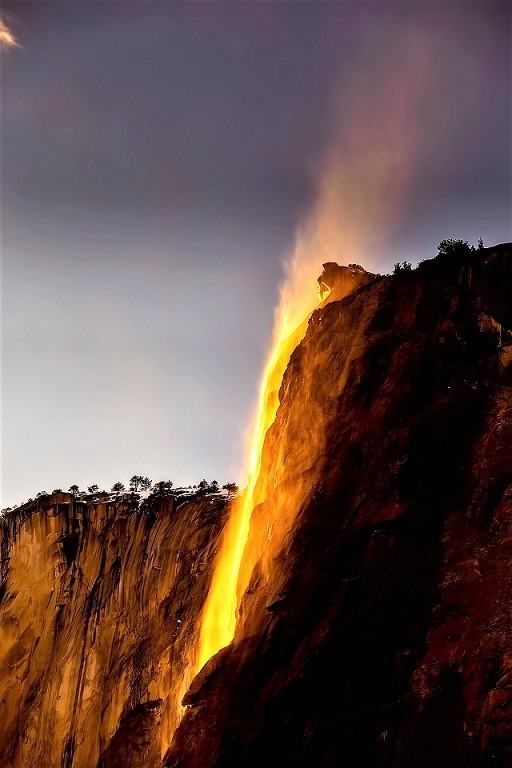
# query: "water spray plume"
{"type": "Point", "coordinates": [7, 39]}
{"type": "Point", "coordinates": [362, 182]}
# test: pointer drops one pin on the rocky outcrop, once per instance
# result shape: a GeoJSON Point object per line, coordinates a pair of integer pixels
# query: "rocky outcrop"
{"type": "Point", "coordinates": [99, 605]}
{"type": "Point", "coordinates": [376, 627]}
{"type": "Point", "coordinates": [336, 282]}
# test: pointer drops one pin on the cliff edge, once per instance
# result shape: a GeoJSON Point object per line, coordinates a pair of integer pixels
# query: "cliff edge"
{"type": "Point", "coordinates": [376, 627]}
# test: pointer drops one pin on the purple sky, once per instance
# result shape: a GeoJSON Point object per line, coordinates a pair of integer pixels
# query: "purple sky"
{"type": "Point", "coordinates": [157, 159]}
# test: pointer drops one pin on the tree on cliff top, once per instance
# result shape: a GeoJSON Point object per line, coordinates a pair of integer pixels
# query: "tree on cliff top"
{"type": "Point", "coordinates": [163, 488]}
{"type": "Point", "coordinates": [140, 483]}
{"type": "Point", "coordinates": [405, 266]}
{"type": "Point", "coordinates": [206, 487]}
{"type": "Point", "coordinates": [454, 247]}
{"type": "Point", "coordinates": [118, 488]}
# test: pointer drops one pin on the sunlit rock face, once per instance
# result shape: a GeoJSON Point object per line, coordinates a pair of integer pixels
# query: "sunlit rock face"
{"type": "Point", "coordinates": [98, 615]}
{"type": "Point", "coordinates": [337, 281]}
{"type": "Point", "coordinates": [375, 629]}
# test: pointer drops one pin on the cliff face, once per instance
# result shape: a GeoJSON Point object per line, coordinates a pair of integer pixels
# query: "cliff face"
{"type": "Point", "coordinates": [376, 627]}
{"type": "Point", "coordinates": [97, 617]}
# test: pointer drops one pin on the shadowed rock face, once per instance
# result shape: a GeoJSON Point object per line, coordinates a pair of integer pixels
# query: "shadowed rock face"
{"type": "Point", "coordinates": [376, 630]}
{"type": "Point", "coordinates": [376, 627]}
{"type": "Point", "coordinates": [99, 609]}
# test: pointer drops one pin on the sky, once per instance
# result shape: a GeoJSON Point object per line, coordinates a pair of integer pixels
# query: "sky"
{"type": "Point", "coordinates": [161, 164]}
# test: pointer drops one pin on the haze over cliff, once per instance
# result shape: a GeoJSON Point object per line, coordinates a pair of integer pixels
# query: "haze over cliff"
{"type": "Point", "coordinates": [373, 627]}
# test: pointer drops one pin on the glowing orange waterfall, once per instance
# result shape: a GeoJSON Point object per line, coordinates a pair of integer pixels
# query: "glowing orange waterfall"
{"type": "Point", "coordinates": [219, 616]}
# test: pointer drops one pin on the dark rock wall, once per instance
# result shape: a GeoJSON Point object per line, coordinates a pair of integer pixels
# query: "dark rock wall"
{"type": "Point", "coordinates": [376, 629]}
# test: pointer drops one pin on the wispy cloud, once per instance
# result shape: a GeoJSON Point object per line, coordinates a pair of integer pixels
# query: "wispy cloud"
{"type": "Point", "coordinates": [7, 38]}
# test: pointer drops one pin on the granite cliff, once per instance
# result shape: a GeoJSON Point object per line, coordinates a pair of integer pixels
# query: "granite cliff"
{"type": "Point", "coordinates": [375, 629]}
{"type": "Point", "coordinates": [100, 600]}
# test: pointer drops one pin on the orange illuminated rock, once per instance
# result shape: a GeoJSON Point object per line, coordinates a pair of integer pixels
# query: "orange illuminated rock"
{"type": "Point", "coordinates": [97, 619]}
{"type": "Point", "coordinates": [247, 537]}
{"type": "Point", "coordinates": [336, 282]}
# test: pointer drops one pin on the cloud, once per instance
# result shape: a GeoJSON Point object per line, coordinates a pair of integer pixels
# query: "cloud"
{"type": "Point", "coordinates": [7, 38]}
